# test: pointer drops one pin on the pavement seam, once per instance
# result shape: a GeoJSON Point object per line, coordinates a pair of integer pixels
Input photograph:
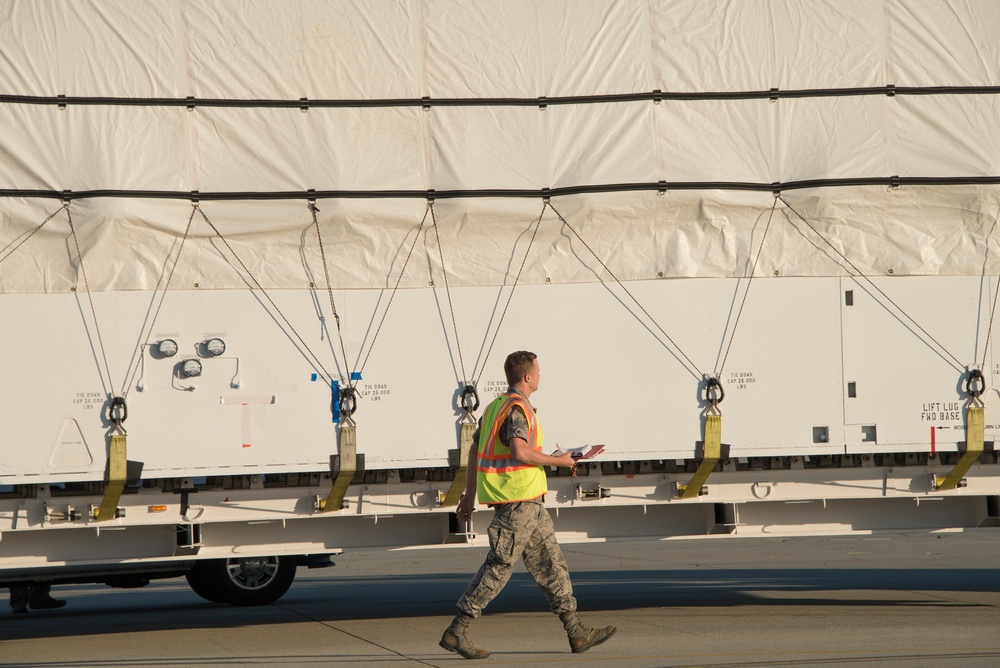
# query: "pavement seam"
{"type": "Point", "coordinates": [355, 636]}
{"type": "Point", "coordinates": [947, 598]}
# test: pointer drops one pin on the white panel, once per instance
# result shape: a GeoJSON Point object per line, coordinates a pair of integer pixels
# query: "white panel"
{"type": "Point", "coordinates": [333, 149]}
{"type": "Point", "coordinates": [826, 43]}
{"type": "Point", "coordinates": [465, 59]}
{"type": "Point", "coordinates": [263, 404]}
{"type": "Point", "coordinates": [908, 381]}
{"type": "Point", "coordinates": [593, 45]}
{"type": "Point", "coordinates": [115, 48]}
{"type": "Point", "coordinates": [549, 49]}
{"type": "Point", "coordinates": [718, 140]}
{"type": "Point", "coordinates": [947, 135]}
{"type": "Point", "coordinates": [94, 147]}
{"type": "Point", "coordinates": [824, 138]}
{"type": "Point", "coordinates": [28, 156]}
{"type": "Point", "coordinates": [944, 44]}
{"type": "Point", "coordinates": [341, 50]}
{"type": "Point", "coordinates": [471, 147]}
{"type": "Point", "coordinates": [607, 143]}
{"type": "Point", "coordinates": [763, 44]}
{"type": "Point", "coordinates": [143, 148]}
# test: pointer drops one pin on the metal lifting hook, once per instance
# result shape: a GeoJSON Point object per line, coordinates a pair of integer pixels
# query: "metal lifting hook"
{"type": "Point", "coordinates": [117, 412]}
{"type": "Point", "coordinates": [470, 399]}
{"type": "Point", "coordinates": [714, 392]}
{"type": "Point", "coordinates": [348, 401]}
{"type": "Point", "coordinates": [975, 384]}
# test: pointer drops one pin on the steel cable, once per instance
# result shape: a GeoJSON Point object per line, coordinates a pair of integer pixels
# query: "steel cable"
{"type": "Point", "coordinates": [163, 295]}
{"type": "Point", "coordinates": [693, 366]}
{"type": "Point", "coordinates": [329, 289]}
{"type": "Point", "coordinates": [517, 278]}
{"type": "Point", "coordinates": [392, 294]}
{"type": "Point", "coordinates": [86, 284]}
{"type": "Point", "coordinates": [960, 367]}
{"type": "Point", "coordinates": [753, 270]}
{"type": "Point", "coordinates": [328, 377]}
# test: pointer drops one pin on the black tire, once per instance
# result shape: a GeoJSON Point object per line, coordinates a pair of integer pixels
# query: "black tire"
{"type": "Point", "coordinates": [243, 581]}
{"type": "Point", "coordinates": [203, 581]}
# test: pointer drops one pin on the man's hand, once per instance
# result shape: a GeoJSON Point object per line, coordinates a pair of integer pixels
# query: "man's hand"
{"type": "Point", "coordinates": [566, 459]}
{"type": "Point", "coordinates": [466, 504]}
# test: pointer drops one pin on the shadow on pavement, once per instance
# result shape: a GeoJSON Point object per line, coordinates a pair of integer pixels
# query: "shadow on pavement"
{"type": "Point", "coordinates": [166, 605]}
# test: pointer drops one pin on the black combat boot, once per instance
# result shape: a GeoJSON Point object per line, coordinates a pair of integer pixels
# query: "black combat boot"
{"type": "Point", "coordinates": [46, 603]}
{"type": "Point", "coordinates": [582, 638]}
{"type": "Point", "coordinates": [456, 639]}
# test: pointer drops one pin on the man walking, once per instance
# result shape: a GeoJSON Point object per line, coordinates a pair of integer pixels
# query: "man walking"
{"type": "Point", "coordinates": [506, 466]}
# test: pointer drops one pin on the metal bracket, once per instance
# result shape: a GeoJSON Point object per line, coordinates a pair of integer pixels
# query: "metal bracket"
{"type": "Point", "coordinates": [592, 492]}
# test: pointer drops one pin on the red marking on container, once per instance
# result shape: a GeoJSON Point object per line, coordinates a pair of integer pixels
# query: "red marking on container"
{"type": "Point", "coordinates": [246, 445]}
{"type": "Point", "coordinates": [933, 441]}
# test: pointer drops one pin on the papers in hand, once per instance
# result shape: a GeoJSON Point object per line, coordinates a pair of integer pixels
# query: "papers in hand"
{"type": "Point", "coordinates": [584, 452]}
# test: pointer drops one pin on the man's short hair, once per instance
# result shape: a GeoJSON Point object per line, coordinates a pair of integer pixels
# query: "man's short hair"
{"type": "Point", "coordinates": [518, 365]}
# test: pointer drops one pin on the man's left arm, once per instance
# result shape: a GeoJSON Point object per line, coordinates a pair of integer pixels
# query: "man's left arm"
{"type": "Point", "coordinates": [526, 454]}
{"type": "Point", "coordinates": [467, 502]}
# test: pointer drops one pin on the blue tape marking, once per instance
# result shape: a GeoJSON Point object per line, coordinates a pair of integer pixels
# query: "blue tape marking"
{"type": "Point", "coordinates": [355, 375]}
{"type": "Point", "coordinates": [335, 401]}
{"type": "Point", "coordinates": [314, 377]}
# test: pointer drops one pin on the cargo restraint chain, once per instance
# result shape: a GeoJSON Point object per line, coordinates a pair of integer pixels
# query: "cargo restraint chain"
{"type": "Point", "coordinates": [656, 96]}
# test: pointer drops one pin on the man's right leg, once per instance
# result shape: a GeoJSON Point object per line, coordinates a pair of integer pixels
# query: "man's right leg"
{"type": "Point", "coordinates": [545, 562]}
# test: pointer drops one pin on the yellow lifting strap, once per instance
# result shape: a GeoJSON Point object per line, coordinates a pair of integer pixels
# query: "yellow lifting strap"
{"type": "Point", "coordinates": [117, 473]}
{"type": "Point", "coordinates": [458, 484]}
{"type": "Point", "coordinates": [712, 454]}
{"type": "Point", "coordinates": [975, 421]}
{"type": "Point", "coordinates": [469, 402]}
{"type": "Point", "coordinates": [348, 465]}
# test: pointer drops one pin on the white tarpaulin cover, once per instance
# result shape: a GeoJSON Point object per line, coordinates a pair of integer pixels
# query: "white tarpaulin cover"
{"type": "Point", "coordinates": [444, 50]}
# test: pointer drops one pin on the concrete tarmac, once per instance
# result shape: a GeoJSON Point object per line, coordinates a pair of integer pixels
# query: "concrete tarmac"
{"type": "Point", "coordinates": [888, 600]}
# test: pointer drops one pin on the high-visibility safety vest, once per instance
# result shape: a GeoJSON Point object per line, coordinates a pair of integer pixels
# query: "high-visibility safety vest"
{"type": "Point", "coordinates": [501, 478]}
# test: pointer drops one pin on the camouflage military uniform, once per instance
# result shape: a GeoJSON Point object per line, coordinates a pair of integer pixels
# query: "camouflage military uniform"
{"type": "Point", "coordinates": [521, 529]}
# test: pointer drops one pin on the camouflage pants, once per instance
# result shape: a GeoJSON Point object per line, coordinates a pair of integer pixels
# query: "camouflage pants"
{"type": "Point", "coordinates": [525, 530]}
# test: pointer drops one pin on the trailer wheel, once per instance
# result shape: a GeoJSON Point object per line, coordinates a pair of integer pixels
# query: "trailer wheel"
{"type": "Point", "coordinates": [203, 581]}
{"type": "Point", "coordinates": [242, 581]}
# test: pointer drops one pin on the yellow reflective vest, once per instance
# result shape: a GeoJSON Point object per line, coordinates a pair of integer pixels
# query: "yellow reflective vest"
{"type": "Point", "coordinates": [501, 478]}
